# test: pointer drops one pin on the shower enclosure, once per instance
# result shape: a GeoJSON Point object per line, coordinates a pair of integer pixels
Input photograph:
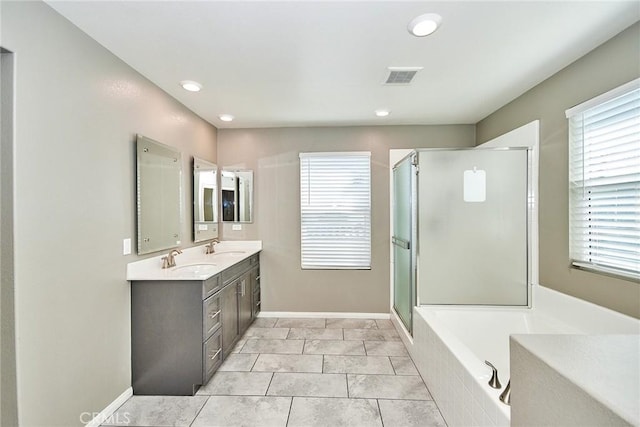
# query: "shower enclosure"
{"type": "Point", "coordinates": [404, 238]}
{"type": "Point", "coordinates": [460, 228]}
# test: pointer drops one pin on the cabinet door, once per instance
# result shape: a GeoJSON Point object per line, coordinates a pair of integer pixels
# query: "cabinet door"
{"type": "Point", "coordinates": [229, 317]}
{"type": "Point", "coordinates": [244, 302]}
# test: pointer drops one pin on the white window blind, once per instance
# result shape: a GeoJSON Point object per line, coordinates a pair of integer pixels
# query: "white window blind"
{"type": "Point", "coordinates": [604, 182]}
{"type": "Point", "coordinates": [335, 209]}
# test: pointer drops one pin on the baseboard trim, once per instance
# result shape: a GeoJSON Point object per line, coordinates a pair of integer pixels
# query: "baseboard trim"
{"type": "Point", "coordinates": [327, 315]}
{"type": "Point", "coordinates": [109, 410]}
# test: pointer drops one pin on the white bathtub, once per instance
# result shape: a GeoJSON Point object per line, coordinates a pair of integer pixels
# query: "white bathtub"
{"type": "Point", "coordinates": [450, 345]}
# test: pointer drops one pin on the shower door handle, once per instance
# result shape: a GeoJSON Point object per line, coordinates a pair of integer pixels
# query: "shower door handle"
{"type": "Point", "coordinates": [404, 244]}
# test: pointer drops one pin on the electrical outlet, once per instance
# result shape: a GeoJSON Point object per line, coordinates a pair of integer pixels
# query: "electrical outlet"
{"type": "Point", "coordinates": [236, 227]}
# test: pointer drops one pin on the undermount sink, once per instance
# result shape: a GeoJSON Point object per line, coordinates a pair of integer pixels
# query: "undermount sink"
{"type": "Point", "coordinates": [195, 268]}
{"type": "Point", "coordinates": [229, 253]}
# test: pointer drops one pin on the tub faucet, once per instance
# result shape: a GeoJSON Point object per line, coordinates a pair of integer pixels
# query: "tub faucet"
{"type": "Point", "coordinates": [505, 397]}
{"type": "Point", "coordinates": [170, 260]}
{"type": "Point", "coordinates": [210, 247]}
{"type": "Point", "coordinates": [494, 382]}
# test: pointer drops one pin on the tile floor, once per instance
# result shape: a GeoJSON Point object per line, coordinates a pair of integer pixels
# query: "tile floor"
{"type": "Point", "coordinates": [302, 372]}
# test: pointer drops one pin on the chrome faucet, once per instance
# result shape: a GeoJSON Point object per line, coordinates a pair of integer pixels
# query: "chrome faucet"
{"type": "Point", "coordinates": [210, 247]}
{"type": "Point", "coordinates": [494, 382]}
{"type": "Point", "coordinates": [170, 260]}
{"type": "Point", "coordinates": [505, 397]}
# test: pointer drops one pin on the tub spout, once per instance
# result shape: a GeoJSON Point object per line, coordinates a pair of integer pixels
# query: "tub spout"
{"type": "Point", "coordinates": [505, 396]}
{"type": "Point", "coordinates": [494, 382]}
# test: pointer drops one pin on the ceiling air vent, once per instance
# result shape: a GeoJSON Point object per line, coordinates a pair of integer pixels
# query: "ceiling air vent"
{"type": "Point", "coordinates": [401, 75]}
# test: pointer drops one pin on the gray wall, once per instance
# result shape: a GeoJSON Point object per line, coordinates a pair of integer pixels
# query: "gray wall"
{"type": "Point", "coordinates": [610, 65]}
{"type": "Point", "coordinates": [77, 111]}
{"type": "Point", "coordinates": [273, 155]}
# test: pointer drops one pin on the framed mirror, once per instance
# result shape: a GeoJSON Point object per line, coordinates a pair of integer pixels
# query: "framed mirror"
{"type": "Point", "coordinates": [159, 195]}
{"type": "Point", "coordinates": [205, 200]}
{"type": "Point", "coordinates": [236, 190]}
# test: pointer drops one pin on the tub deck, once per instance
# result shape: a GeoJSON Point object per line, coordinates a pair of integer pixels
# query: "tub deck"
{"type": "Point", "coordinates": [451, 343]}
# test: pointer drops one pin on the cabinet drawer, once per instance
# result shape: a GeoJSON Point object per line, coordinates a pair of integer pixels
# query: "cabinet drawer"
{"type": "Point", "coordinates": [212, 356]}
{"type": "Point", "coordinates": [212, 317]}
{"type": "Point", "coordinates": [211, 286]}
{"type": "Point", "coordinates": [234, 271]}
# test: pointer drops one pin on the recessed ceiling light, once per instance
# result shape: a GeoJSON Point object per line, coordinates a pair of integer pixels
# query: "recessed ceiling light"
{"type": "Point", "coordinates": [226, 117]}
{"type": "Point", "coordinates": [424, 25]}
{"type": "Point", "coordinates": [382, 113]}
{"type": "Point", "coordinates": [191, 86]}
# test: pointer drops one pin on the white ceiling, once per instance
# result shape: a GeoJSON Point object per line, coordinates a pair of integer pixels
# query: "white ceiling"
{"type": "Point", "coordinates": [319, 63]}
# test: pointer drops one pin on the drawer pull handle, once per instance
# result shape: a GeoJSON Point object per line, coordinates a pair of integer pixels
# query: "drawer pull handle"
{"type": "Point", "coordinates": [217, 353]}
{"type": "Point", "coordinates": [213, 316]}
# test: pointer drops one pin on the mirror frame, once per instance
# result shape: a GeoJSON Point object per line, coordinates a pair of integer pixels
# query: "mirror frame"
{"type": "Point", "coordinates": [204, 230]}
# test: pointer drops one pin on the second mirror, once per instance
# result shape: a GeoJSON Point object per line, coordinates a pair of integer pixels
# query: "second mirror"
{"type": "Point", "coordinates": [237, 195]}
{"type": "Point", "coordinates": [205, 200]}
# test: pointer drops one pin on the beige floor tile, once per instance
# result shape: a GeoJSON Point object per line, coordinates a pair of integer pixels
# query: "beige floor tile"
{"type": "Point", "coordinates": [354, 348]}
{"type": "Point", "coordinates": [267, 333]}
{"type": "Point", "coordinates": [371, 334]}
{"type": "Point", "coordinates": [300, 323]}
{"type": "Point", "coordinates": [384, 324]}
{"type": "Point", "coordinates": [306, 412]}
{"type": "Point", "coordinates": [265, 322]}
{"type": "Point", "coordinates": [387, 387]}
{"type": "Point", "coordinates": [288, 363]}
{"type": "Point", "coordinates": [385, 348]}
{"type": "Point", "coordinates": [238, 346]}
{"type": "Point", "coordinates": [246, 411]}
{"type": "Point", "coordinates": [410, 413]}
{"type": "Point", "coordinates": [357, 365]}
{"type": "Point", "coordinates": [314, 334]}
{"type": "Point", "coordinates": [273, 346]}
{"type": "Point", "coordinates": [351, 323]}
{"type": "Point", "coordinates": [237, 384]}
{"type": "Point", "coordinates": [156, 411]}
{"type": "Point", "coordinates": [238, 362]}
{"type": "Point", "coordinates": [403, 366]}
{"type": "Point", "coordinates": [308, 385]}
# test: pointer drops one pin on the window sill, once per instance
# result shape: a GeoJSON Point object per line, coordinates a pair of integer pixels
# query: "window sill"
{"type": "Point", "coordinates": [618, 274]}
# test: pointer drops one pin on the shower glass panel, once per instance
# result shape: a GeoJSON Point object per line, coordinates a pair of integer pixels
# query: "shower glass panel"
{"type": "Point", "coordinates": [473, 227]}
{"type": "Point", "coordinates": [403, 267]}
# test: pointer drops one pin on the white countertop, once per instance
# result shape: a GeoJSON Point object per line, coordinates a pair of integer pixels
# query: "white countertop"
{"type": "Point", "coordinates": [193, 263]}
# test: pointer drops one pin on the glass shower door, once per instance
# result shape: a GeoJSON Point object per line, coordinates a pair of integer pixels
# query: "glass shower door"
{"type": "Point", "coordinates": [403, 266]}
{"type": "Point", "coordinates": [473, 227]}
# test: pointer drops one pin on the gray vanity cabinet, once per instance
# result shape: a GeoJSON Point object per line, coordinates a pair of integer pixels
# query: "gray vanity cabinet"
{"type": "Point", "coordinates": [182, 330]}
{"type": "Point", "coordinates": [245, 314]}
{"type": "Point", "coordinates": [230, 332]}
{"type": "Point", "coordinates": [237, 300]}
{"type": "Point", "coordinates": [176, 340]}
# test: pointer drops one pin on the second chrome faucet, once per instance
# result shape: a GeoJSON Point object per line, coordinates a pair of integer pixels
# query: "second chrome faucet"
{"type": "Point", "coordinates": [210, 247]}
{"type": "Point", "coordinates": [170, 260]}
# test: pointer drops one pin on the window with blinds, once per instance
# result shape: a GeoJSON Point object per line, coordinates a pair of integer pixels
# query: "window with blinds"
{"type": "Point", "coordinates": [604, 182]}
{"type": "Point", "coordinates": [335, 210]}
